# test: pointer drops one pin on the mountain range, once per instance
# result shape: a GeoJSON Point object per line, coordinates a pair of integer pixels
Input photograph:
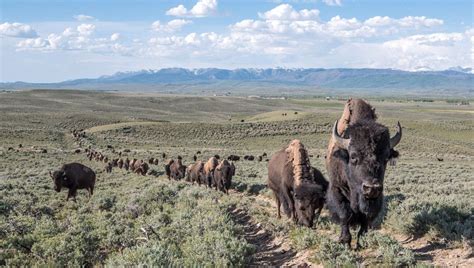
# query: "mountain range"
{"type": "Point", "coordinates": [454, 81]}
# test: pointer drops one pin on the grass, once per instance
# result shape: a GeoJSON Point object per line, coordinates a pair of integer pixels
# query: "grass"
{"type": "Point", "coordinates": [133, 220]}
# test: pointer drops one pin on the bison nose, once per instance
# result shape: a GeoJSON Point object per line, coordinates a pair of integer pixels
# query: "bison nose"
{"type": "Point", "coordinates": [371, 190]}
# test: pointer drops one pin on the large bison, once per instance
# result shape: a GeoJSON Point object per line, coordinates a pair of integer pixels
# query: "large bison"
{"type": "Point", "coordinates": [73, 176]}
{"type": "Point", "coordinates": [209, 168]}
{"type": "Point", "coordinates": [175, 169]}
{"type": "Point", "coordinates": [195, 173]}
{"type": "Point", "coordinates": [357, 156]}
{"type": "Point", "coordinates": [296, 186]}
{"type": "Point", "coordinates": [223, 176]}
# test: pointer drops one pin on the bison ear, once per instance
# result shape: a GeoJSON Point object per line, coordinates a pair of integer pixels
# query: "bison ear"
{"type": "Point", "coordinates": [342, 154]}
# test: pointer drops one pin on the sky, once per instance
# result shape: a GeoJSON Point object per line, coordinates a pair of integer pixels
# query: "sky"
{"type": "Point", "coordinates": [51, 41]}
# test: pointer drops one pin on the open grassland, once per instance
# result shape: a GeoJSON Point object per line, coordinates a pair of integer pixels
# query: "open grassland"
{"type": "Point", "coordinates": [131, 219]}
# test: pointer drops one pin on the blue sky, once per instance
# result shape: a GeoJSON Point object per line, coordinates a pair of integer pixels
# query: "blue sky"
{"type": "Point", "coordinates": [48, 41]}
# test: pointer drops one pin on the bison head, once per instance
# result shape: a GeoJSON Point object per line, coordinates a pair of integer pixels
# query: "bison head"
{"type": "Point", "coordinates": [308, 197]}
{"type": "Point", "coordinates": [58, 177]}
{"type": "Point", "coordinates": [366, 149]}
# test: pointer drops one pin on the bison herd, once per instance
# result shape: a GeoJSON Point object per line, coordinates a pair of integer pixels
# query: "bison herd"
{"type": "Point", "coordinates": [356, 159]}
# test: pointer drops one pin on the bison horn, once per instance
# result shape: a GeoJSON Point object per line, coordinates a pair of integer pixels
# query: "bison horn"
{"type": "Point", "coordinates": [340, 141]}
{"type": "Point", "coordinates": [396, 139]}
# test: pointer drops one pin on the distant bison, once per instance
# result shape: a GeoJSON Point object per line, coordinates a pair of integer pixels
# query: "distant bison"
{"type": "Point", "coordinates": [223, 176]}
{"type": "Point", "coordinates": [195, 173]}
{"type": "Point", "coordinates": [209, 168]}
{"type": "Point", "coordinates": [140, 167]}
{"type": "Point", "coordinates": [249, 157]}
{"type": "Point", "coordinates": [175, 169]}
{"type": "Point", "coordinates": [120, 163]}
{"type": "Point", "coordinates": [151, 160]}
{"type": "Point", "coordinates": [73, 176]}
{"type": "Point", "coordinates": [233, 157]}
{"type": "Point", "coordinates": [293, 182]}
{"type": "Point", "coordinates": [155, 162]}
{"type": "Point", "coordinates": [108, 167]}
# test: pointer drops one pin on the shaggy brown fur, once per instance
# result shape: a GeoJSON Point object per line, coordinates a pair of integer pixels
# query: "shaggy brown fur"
{"type": "Point", "coordinates": [209, 168]}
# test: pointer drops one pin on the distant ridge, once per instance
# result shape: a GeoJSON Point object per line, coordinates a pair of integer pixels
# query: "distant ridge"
{"type": "Point", "coordinates": [456, 80]}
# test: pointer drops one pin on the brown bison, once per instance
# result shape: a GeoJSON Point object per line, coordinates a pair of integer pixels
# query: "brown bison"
{"type": "Point", "coordinates": [175, 169]}
{"type": "Point", "coordinates": [73, 176]}
{"type": "Point", "coordinates": [209, 168]}
{"type": "Point", "coordinates": [223, 176]}
{"type": "Point", "coordinates": [155, 162]}
{"type": "Point", "coordinates": [140, 167]}
{"type": "Point", "coordinates": [357, 156]}
{"type": "Point", "coordinates": [296, 186]}
{"type": "Point", "coordinates": [151, 160]}
{"type": "Point", "coordinates": [195, 173]}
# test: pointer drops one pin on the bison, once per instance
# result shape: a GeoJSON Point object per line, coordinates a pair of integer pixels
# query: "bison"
{"type": "Point", "coordinates": [155, 162]}
{"type": "Point", "coordinates": [73, 176]}
{"type": "Point", "coordinates": [209, 168]}
{"type": "Point", "coordinates": [357, 156]}
{"type": "Point", "coordinates": [140, 167]}
{"type": "Point", "coordinates": [233, 157]}
{"type": "Point", "coordinates": [223, 176]}
{"type": "Point", "coordinates": [108, 167]}
{"type": "Point", "coordinates": [296, 186]}
{"type": "Point", "coordinates": [195, 173]}
{"type": "Point", "coordinates": [120, 163]}
{"type": "Point", "coordinates": [151, 160]}
{"type": "Point", "coordinates": [175, 169]}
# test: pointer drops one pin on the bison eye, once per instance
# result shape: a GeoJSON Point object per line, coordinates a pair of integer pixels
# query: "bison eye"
{"type": "Point", "coordinates": [354, 159]}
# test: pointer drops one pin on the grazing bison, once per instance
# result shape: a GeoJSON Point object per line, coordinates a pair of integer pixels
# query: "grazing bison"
{"type": "Point", "coordinates": [195, 158]}
{"type": "Point", "coordinates": [217, 156]}
{"type": "Point", "coordinates": [175, 169]}
{"type": "Point", "coordinates": [163, 155]}
{"type": "Point", "coordinates": [140, 167]}
{"type": "Point", "coordinates": [357, 156]}
{"type": "Point", "coordinates": [233, 157]}
{"type": "Point", "coordinates": [223, 176]}
{"type": "Point", "coordinates": [296, 186]}
{"type": "Point", "coordinates": [249, 157]}
{"type": "Point", "coordinates": [73, 176]}
{"type": "Point", "coordinates": [195, 173]}
{"type": "Point", "coordinates": [209, 168]}
{"type": "Point", "coordinates": [259, 158]}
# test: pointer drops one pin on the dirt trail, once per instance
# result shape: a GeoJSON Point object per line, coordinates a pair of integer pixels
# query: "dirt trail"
{"type": "Point", "coordinates": [269, 250]}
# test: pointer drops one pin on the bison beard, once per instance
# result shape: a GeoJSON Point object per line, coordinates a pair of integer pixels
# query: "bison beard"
{"type": "Point", "coordinates": [356, 166]}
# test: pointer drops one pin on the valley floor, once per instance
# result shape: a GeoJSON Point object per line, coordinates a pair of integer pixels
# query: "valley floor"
{"type": "Point", "coordinates": [132, 219]}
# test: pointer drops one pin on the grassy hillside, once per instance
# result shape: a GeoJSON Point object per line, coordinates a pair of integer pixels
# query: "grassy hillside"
{"type": "Point", "coordinates": [132, 219]}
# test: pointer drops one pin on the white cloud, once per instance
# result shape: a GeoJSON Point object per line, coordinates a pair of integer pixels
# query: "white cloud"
{"type": "Point", "coordinates": [333, 2]}
{"type": "Point", "coordinates": [114, 37]}
{"type": "Point", "coordinates": [170, 26]}
{"type": "Point", "coordinates": [203, 8]}
{"type": "Point", "coordinates": [16, 29]}
{"type": "Point", "coordinates": [82, 17]}
{"type": "Point", "coordinates": [85, 29]}
{"type": "Point", "coordinates": [286, 12]}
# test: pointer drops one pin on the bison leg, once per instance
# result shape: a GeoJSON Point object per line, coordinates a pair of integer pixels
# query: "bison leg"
{"type": "Point", "coordinates": [291, 204]}
{"type": "Point", "coordinates": [363, 229]}
{"type": "Point", "coordinates": [91, 190]}
{"type": "Point", "coordinates": [278, 203]}
{"type": "Point", "coordinates": [339, 206]}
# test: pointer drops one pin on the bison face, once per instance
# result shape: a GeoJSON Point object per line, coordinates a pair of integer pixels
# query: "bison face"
{"type": "Point", "coordinates": [58, 177]}
{"type": "Point", "coordinates": [366, 153]}
{"type": "Point", "coordinates": [308, 198]}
